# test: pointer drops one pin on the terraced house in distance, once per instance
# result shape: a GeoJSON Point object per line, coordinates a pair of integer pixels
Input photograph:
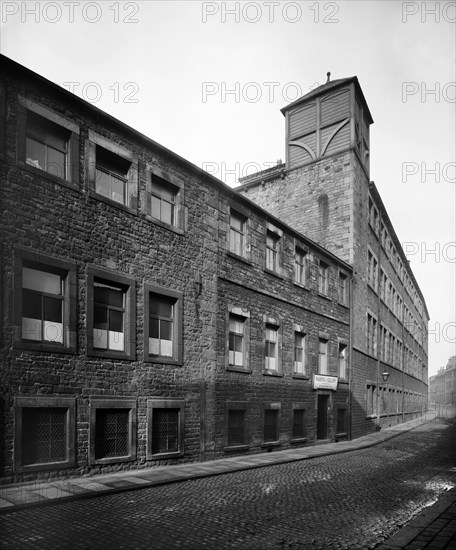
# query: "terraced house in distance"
{"type": "Point", "coordinates": [324, 191]}
{"type": "Point", "coordinates": [151, 314]}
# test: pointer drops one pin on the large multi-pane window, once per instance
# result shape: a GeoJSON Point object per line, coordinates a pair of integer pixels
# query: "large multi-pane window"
{"type": "Point", "coordinates": [236, 427]}
{"type": "Point", "coordinates": [111, 175]}
{"type": "Point", "coordinates": [323, 278]}
{"type": "Point", "coordinates": [44, 433]}
{"type": "Point", "coordinates": [271, 425]}
{"type": "Point", "coordinates": [47, 145]}
{"type": "Point", "coordinates": [299, 364]}
{"type": "Point", "coordinates": [237, 237]}
{"type": "Point", "coordinates": [165, 419]}
{"type": "Point", "coordinates": [108, 315]}
{"type": "Point", "coordinates": [343, 289]}
{"type": "Point", "coordinates": [163, 200]}
{"type": "Point", "coordinates": [299, 424]}
{"type": "Point", "coordinates": [372, 266]}
{"type": "Point", "coordinates": [322, 356]}
{"type": "Point", "coordinates": [42, 305]}
{"type": "Point", "coordinates": [371, 334]}
{"type": "Point", "coordinates": [161, 325]}
{"type": "Point", "coordinates": [271, 348]}
{"type": "Point", "coordinates": [300, 266]}
{"type": "Point", "coordinates": [272, 251]}
{"type": "Point", "coordinates": [236, 349]}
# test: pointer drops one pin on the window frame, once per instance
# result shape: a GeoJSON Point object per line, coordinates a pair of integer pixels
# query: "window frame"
{"type": "Point", "coordinates": [301, 267]}
{"type": "Point", "coordinates": [160, 403]}
{"type": "Point", "coordinates": [301, 407]}
{"type": "Point", "coordinates": [128, 285]}
{"type": "Point", "coordinates": [273, 252]}
{"type": "Point", "coordinates": [34, 402]}
{"type": "Point", "coordinates": [238, 312]}
{"type": "Point", "coordinates": [274, 325]}
{"type": "Point", "coordinates": [323, 278]}
{"type": "Point", "coordinates": [276, 407]}
{"type": "Point", "coordinates": [166, 179]}
{"type": "Point", "coordinates": [67, 270]}
{"type": "Point", "coordinates": [112, 403]}
{"type": "Point", "coordinates": [320, 370]}
{"type": "Point", "coordinates": [298, 331]}
{"type": "Point", "coordinates": [342, 344]}
{"type": "Point", "coordinates": [237, 406]}
{"type": "Point", "coordinates": [343, 289]}
{"type": "Point", "coordinates": [243, 219]}
{"type": "Point", "coordinates": [178, 324]}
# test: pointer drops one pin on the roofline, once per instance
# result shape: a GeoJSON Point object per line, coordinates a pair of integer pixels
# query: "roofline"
{"type": "Point", "coordinates": [384, 214]}
{"type": "Point", "coordinates": [8, 64]}
{"type": "Point", "coordinates": [322, 90]}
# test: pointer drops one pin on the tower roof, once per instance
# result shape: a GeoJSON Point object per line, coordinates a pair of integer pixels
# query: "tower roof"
{"type": "Point", "coordinates": [331, 85]}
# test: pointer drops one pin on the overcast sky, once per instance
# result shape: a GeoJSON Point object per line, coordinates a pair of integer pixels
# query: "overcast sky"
{"type": "Point", "coordinates": [208, 79]}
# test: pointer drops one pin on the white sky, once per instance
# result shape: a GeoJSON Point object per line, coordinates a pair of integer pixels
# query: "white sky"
{"type": "Point", "coordinates": [173, 62]}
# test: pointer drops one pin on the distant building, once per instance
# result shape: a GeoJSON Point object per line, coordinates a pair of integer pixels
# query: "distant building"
{"type": "Point", "coordinates": [442, 386]}
{"type": "Point", "coordinates": [152, 315]}
{"type": "Point", "coordinates": [324, 191]}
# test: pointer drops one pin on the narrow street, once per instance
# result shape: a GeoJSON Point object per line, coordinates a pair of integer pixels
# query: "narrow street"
{"type": "Point", "coordinates": [353, 500]}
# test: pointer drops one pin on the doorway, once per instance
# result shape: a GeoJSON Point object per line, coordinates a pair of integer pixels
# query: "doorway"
{"type": "Point", "coordinates": [322, 416]}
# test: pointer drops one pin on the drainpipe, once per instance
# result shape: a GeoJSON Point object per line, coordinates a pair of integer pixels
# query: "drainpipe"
{"type": "Point", "coordinates": [350, 359]}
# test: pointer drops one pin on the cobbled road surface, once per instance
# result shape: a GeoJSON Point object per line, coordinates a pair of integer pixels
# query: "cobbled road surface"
{"type": "Point", "coordinates": [352, 500]}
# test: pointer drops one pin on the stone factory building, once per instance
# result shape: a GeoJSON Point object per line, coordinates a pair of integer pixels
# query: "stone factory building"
{"type": "Point", "coordinates": [324, 191]}
{"type": "Point", "coordinates": [442, 386]}
{"type": "Point", "coordinates": [152, 315]}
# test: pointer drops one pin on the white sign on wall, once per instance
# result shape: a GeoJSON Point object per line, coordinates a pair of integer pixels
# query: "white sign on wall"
{"type": "Point", "coordinates": [323, 382]}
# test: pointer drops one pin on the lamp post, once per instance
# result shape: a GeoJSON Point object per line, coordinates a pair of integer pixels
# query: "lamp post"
{"type": "Point", "coordinates": [385, 376]}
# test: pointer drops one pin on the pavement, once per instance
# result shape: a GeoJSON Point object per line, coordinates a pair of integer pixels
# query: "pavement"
{"type": "Point", "coordinates": [434, 528]}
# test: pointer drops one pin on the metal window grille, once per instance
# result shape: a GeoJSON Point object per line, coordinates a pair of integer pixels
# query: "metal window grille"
{"type": "Point", "coordinates": [299, 423]}
{"type": "Point", "coordinates": [165, 431]}
{"type": "Point", "coordinates": [271, 419]}
{"type": "Point", "coordinates": [44, 435]}
{"type": "Point", "coordinates": [236, 432]}
{"type": "Point", "coordinates": [112, 433]}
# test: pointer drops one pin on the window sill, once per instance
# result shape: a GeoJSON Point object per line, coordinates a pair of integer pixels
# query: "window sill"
{"type": "Point", "coordinates": [46, 175]}
{"type": "Point", "coordinates": [372, 287]}
{"type": "Point", "coordinates": [300, 285]}
{"type": "Point", "coordinates": [300, 376]}
{"type": "Point", "coordinates": [346, 306]}
{"type": "Point", "coordinates": [108, 354]}
{"type": "Point", "coordinates": [238, 257]}
{"type": "Point", "coordinates": [266, 444]}
{"type": "Point", "coordinates": [299, 440]}
{"type": "Point", "coordinates": [342, 381]}
{"type": "Point", "coordinates": [111, 202]}
{"type": "Point", "coordinates": [48, 348]}
{"type": "Point", "coordinates": [324, 296]}
{"type": "Point", "coordinates": [45, 467]}
{"type": "Point", "coordinates": [163, 456]}
{"type": "Point", "coordinates": [167, 226]}
{"type": "Point", "coordinates": [273, 273]}
{"type": "Point", "coordinates": [235, 368]}
{"type": "Point", "coordinates": [271, 373]}
{"type": "Point", "coordinates": [241, 447]}
{"type": "Point", "coordinates": [163, 360]}
{"type": "Point", "coordinates": [112, 460]}
{"type": "Point", "coordinates": [343, 436]}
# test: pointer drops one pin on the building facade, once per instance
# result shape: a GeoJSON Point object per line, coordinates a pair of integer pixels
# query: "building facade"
{"type": "Point", "coordinates": [442, 386]}
{"type": "Point", "coordinates": [324, 191]}
{"type": "Point", "coordinates": [150, 314]}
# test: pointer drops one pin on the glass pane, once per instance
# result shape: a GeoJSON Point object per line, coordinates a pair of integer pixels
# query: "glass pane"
{"type": "Point", "coordinates": [164, 191]}
{"type": "Point", "coordinates": [154, 346]}
{"type": "Point", "coordinates": [238, 343]}
{"type": "Point", "coordinates": [56, 163]}
{"type": "Point", "coordinates": [100, 294]}
{"type": "Point", "coordinates": [167, 213]}
{"type": "Point", "coordinates": [117, 189]}
{"type": "Point", "coordinates": [236, 223]}
{"type": "Point", "coordinates": [116, 340]}
{"type": "Point", "coordinates": [116, 320]}
{"type": "Point", "coordinates": [100, 338]}
{"type": "Point", "coordinates": [100, 317]}
{"type": "Point", "coordinates": [31, 329]}
{"type": "Point", "coordinates": [42, 281]}
{"type": "Point", "coordinates": [160, 306]}
{"type": "Point", "coordinates": [35, 153]}
{"type": "Point", "coordinates": [52, 309]}
{"type": "Point", "coordinates": [116, 297]}
{"type": "Point", "coordinates": [166, 330]}
{"type": "Point", "coordinates": [53, 332]}
{"type": "Point", "coordinates": [102, 183]}
{"type": "Point", "coordinates": [154, 328]}
{"type": "Point", "coordinates": [155, 207]}
{"type": "Point", "coordinates": [166, 348]}
{"type": "Point", "coordinates": [31, 305]}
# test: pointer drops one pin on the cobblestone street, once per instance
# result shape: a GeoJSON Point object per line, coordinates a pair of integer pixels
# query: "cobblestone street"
{"type": "Point", "coordinates": [353, 500]}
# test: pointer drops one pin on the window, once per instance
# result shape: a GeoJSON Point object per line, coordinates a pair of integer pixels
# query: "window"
{"type": "Point", "coordinates": [236, 428]}
{"type": "Point", "coordinates": [383, 283]}
{"type": "Point", "coordinates": [343, 289]}
{"type": "Point", "coordinates": [342, 361]}
{"type": "Point", "coordinates": [299, 365]}
{"type": "Point", "coordinates": [373, 216]}
{"type": "Point", "coordinates": [271, 425]}
{"type": "Point", "coordinates": [236, 341]}
{"type": "Point", "coordinates": [323, 278]}
{"type": "Point", "coordinates": [44, 433]}
{"type": "Point", "coordinates": [112, 430]}
{"type": "Point", "coordinates": [111, 175]}
{"type": "Point", "coordinates": [162, 325]}
{"type": "Point", "coordinates": [300, 266]}
{"type": "Point", "coordinates": [372, 266]}
{"type": "Point", "coordinates": [371, 400]}
{"type": "Point", "coordinates": [299, 424]}
{"type": "Point", "coordinates": [45, 302]}
{"type": "Point", "coordinates": [272, 251]}
{"type": "Point", "coordinates": [165, 428]}
{"type": "Point", "coordinates": [163, 200]}
{"type": "Point", "coordinates": [47, 146]}
{"type": "Point", "coordinates": [271, 349]}
{"type": "Point", "coordinates": [110, 313]}
{"type": "Point", "coordinates": [322, 356]}
{"type": "Point", "coordinates": [237, 238]}
{"type": "Point", "coordinates": [371, 334]}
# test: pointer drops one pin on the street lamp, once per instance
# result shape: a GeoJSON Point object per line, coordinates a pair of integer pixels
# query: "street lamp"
{"type": "Point", "coordinates": [385, 376]}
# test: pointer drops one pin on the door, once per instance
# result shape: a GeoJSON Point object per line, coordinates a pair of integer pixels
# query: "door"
{"type": "Point", "coordinates": [322, 416]}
